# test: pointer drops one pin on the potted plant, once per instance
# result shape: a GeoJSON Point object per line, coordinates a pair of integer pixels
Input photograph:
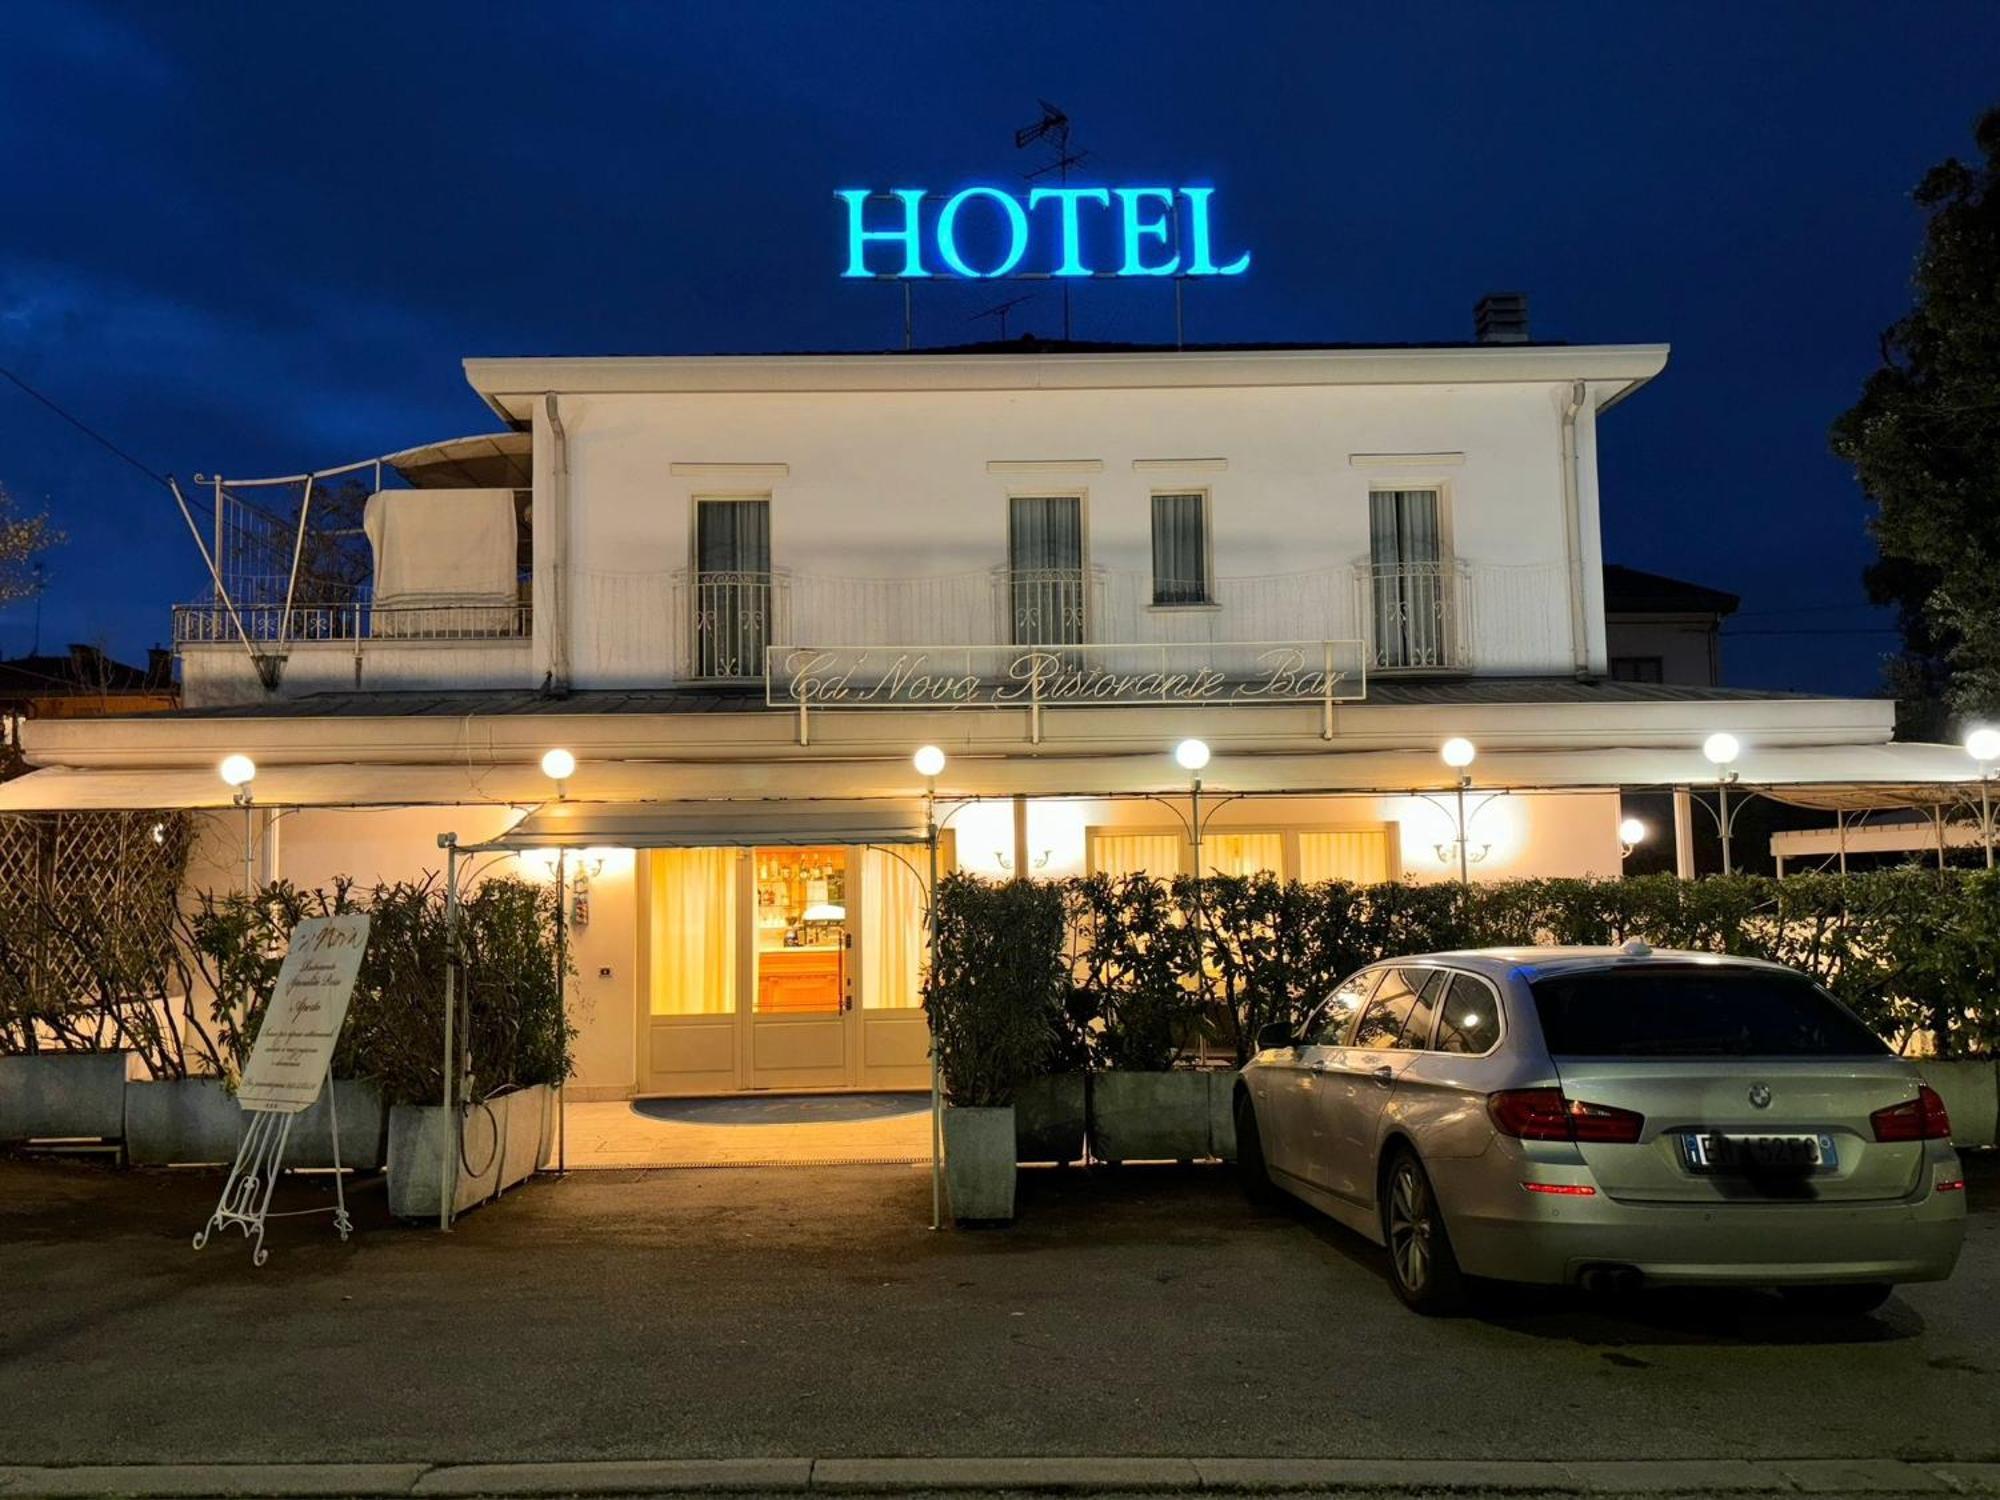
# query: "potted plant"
{"type": "Point", "coordinates": [991, 1000]}
{"type": "Point", "coordinates": [1139, 957]}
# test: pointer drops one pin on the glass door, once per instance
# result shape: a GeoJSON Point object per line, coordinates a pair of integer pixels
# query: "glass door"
{"type": "Point", "coordinates": [801, 997]}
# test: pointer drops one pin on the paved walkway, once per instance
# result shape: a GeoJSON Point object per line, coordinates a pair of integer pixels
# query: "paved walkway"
{"type": "Point", "coordinates": [613, 1134]}
{"type": "Point", "coordinates": [1005, 1476]}
{"type": "Point", "coordinates": [626, 1317]}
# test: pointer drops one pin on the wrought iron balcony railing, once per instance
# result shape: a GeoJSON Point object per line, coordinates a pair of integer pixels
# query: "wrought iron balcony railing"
{"type": "Point", "coordinates": [274, 624]}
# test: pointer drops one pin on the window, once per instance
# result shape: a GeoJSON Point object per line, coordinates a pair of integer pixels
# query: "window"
{"type": "Point", "coordinates": [1471, 1021]}
{"type": "Point", "coordinates": [1408, 579]}
{"type": "Point", "coordinates": [1638, 669]}
{"type": "Point", "coordinates": [1689, 1010]}
{"type": "Point", "coordinates": [1160, 854]}
{"type": "Point", "coordinates": [1359, 855]}
{"type": "Point", "coordinates": [1328, 1027]}
{"type": "Point", "coordinates": [1045, 579]}
{"type": "Point", "coordinates": [1243, 854]}
{"type": "Point", "coordinates": [1180, 549]}
{"type": "Point", "coordinates": [732, 586]}
{"type": "Point", "coordinates": [1382, 1025]}
{"type": "Point", "coordinates": [1417, 1031]}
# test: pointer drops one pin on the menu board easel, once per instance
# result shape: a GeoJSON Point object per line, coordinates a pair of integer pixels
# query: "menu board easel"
{"type": "Point", "coordinates": [291, 1061]}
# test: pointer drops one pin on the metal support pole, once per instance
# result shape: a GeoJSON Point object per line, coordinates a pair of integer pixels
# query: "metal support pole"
{"type": "Point", "coordinates": [1722, 823]}
{"type": "Point", "coordinates": [1986, 817]}
{"type": "Point", "coordinates": [447, 1171]}
{"type": "Point", "coordinates": [1937, 822]}
{"type": "Point", "coordinates": [937, 1101]}
{"type": "Point", "coordinates": [1683, 833]}
{"type": "Point", "coordinates": [1464, 859]}
{"type": "Point", "coordinates": [1194, 824]}
{"type": "Point", "coordinates": [1840, 838]}
{"type": "Point", "coordinates": [562, 994]}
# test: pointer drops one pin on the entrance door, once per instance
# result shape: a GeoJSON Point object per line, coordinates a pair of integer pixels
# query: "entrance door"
{"type": "Point", "coordinates": [783, 968]}
{"type": "Point", "coordinates": [802, 995]}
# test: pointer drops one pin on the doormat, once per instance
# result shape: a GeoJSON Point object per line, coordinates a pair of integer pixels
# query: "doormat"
{"type": "Point", "coordinates": [783, 1109]}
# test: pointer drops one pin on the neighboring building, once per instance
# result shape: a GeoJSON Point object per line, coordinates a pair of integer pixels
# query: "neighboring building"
{"type": "Point", "coordinates": [742, 590]}
{"type": "Point", "coordinates": [84, 684]}
{"type": "Point", "coordinates": [1660, 629]}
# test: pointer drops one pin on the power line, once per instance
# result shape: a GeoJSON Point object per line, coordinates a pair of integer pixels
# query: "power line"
{"type": "Point", "coordinates": [83, 427]}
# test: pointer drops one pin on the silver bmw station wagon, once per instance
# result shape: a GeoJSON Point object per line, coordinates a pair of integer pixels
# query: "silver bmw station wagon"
{"type": "Point", "coordinates": [1607, 1117]}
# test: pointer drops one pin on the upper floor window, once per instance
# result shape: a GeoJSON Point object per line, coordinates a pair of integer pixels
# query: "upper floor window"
{"type": "Point", "coordinates": [1046, 584]}
{"type": "Point", "coordinates": [1180, 549]}
{"type": "Point", "coordinates": [1409, 579]}
{"type": "Point", "coordinates": [732, 585]}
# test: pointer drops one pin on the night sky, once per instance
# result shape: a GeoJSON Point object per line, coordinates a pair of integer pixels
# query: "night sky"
{"type": "Point", "coordinates": [259, 238]}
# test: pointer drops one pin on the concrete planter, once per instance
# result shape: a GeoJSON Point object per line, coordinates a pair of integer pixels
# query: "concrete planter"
{"type": "Point", "coordinates": [1971, 1094]}
{"type": "Point", "coordinates": [1149, 1116]}
{"type": "Point", "coordinates": [506, 1141]}
{"type": "Point", "coordinates": [979, 1163]}
{"type": "Point", "coordinates": [49, 1096]}
{"type": "Point", "coordinates": [197, 1120]}
{"type": "Point", "coordinates": [1049, 1118]}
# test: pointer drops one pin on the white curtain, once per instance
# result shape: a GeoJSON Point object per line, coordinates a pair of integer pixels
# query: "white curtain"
{"type": "Point", "coordinates": [892, 930]}
{"type": "Point", "coordinates": [1242, 853]}
{"type": "Point", "coordinates": [1180, 568]}
{"type": "Point", "coordinates": [693, 932]}
{"type": "Point", "coordinates": [1405, 549]}
{"type": "Point", "coordinates": [1158, 854]}
{"type": "Point", "coordinates": [1357, 854]}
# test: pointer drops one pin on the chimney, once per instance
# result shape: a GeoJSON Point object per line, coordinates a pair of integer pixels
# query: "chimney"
{"type": "Point", "coordinates": [1501, 318]}
{"type": "Point", "coordinates": [159, 667]}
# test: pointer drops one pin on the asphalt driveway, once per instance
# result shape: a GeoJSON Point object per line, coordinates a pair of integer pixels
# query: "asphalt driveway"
{"type": "Point", "coordinates": [787, 1311]}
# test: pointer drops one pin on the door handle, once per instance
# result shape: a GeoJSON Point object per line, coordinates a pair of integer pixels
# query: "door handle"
{"type": "Point", "coordinates": [1383, 1074]}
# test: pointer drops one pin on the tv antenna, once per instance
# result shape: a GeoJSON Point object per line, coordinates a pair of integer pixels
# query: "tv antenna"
{"type": "Point", "coordinates": [1000, 310]}
{"type": "Point", "coordinates": [1051, 130]}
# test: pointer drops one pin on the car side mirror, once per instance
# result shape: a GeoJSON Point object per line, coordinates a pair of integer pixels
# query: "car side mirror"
{"type": "Point", "coordinates": [1276, 1034]}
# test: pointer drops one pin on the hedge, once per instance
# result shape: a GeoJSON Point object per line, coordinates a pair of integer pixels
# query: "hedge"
{"type": "Point", "coordinates": [1132, 972]}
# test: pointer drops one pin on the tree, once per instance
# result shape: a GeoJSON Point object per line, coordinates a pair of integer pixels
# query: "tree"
{"type": "Point", "coordinates": [22, 540]}
{"type": "Point", "coordinates": [1924, 440]}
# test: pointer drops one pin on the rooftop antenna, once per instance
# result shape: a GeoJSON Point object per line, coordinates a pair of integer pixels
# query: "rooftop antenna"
{"type": "Point", "coordinates": [1053, 130]}
{"type": "Point", "coordinates": [1000, 310]}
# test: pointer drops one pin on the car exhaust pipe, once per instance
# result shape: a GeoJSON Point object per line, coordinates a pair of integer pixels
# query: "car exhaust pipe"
{"type": "Point", "coordinates": [1611, 1281]}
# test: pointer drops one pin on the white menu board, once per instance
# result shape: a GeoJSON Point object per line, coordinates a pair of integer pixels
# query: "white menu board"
{"type": "Point", "coordinates": [294, 1046]}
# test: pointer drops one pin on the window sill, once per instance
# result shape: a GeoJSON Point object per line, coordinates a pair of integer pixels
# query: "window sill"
{"type": "Point", "coordinates": [1182, 609]}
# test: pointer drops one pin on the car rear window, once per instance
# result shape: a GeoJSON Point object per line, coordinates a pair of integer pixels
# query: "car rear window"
{"type": "Point", "coordinates": [1694, 1010]}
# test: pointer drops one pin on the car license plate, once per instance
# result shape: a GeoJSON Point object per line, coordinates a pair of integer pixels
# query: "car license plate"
{"type": "Point", "coordinates": [1712, 1151]}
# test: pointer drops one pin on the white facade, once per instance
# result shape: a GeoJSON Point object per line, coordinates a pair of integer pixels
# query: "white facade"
{"type": "Point", "coordinates": [881, 492]}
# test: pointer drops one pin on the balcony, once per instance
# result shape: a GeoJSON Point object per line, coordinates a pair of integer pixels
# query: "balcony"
{"type": "Point", "coordinates": [278, 627]}
{"type": "Point", "coordinates": [1449, 617]}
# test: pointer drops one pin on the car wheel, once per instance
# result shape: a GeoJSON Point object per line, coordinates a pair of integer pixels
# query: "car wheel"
{"type": "Point", "coordinates": [1250, 1168]}
{"type": "Point", "coordinates": [1838, 1299]}
{"type": "Point", "coordinates": [1421, 1262]}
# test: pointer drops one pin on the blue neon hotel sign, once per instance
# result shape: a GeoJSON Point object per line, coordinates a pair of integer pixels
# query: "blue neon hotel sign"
{"type": "Point", "coordinates": [984, 232]}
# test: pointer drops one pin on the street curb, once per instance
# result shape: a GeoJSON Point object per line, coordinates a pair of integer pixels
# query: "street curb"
{"type": "Point", "coordinates": [890, 1476]}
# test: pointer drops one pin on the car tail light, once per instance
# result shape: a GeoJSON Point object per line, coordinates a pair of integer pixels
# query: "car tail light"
{"type": "Point", "coordinates": [1562, 1189]}
{"type": "Point", "coordinates": [1951, 1185]}
{"type": "Point", "coordinates": [1550, 1115]}
{"type": "Point", "coordinates": [1920, 1119]}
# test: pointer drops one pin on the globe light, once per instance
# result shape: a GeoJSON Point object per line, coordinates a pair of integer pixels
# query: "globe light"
{"type": "Point", "coordinates": [237, 770]}
{"type": "Point", "coordinates": [1191, 755]}
{"type": "Point", "coordinates": [558, 765]}
{"type": "Point", "coordinates": [1983, 745]}
{"type": "Point", "coordinates": [1631, 832]}
{"type": "Point", "coordinates": [929, 761]}
{"type": "Point", "coordinates": [1721, 749]}
{"type": "Point", "coordinates": [1458, 752]}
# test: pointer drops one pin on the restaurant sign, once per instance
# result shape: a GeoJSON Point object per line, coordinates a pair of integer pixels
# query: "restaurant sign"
{"type": "Point", "coordinates": [1062, 676]}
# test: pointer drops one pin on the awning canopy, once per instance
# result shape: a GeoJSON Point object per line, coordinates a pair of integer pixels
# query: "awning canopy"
{"type": "Point", "coordinates": [705, 825]}
{"type": "Point", "coordinates": [487, 460]}
{"type": "Point", "coordinates": [1830, 776]}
